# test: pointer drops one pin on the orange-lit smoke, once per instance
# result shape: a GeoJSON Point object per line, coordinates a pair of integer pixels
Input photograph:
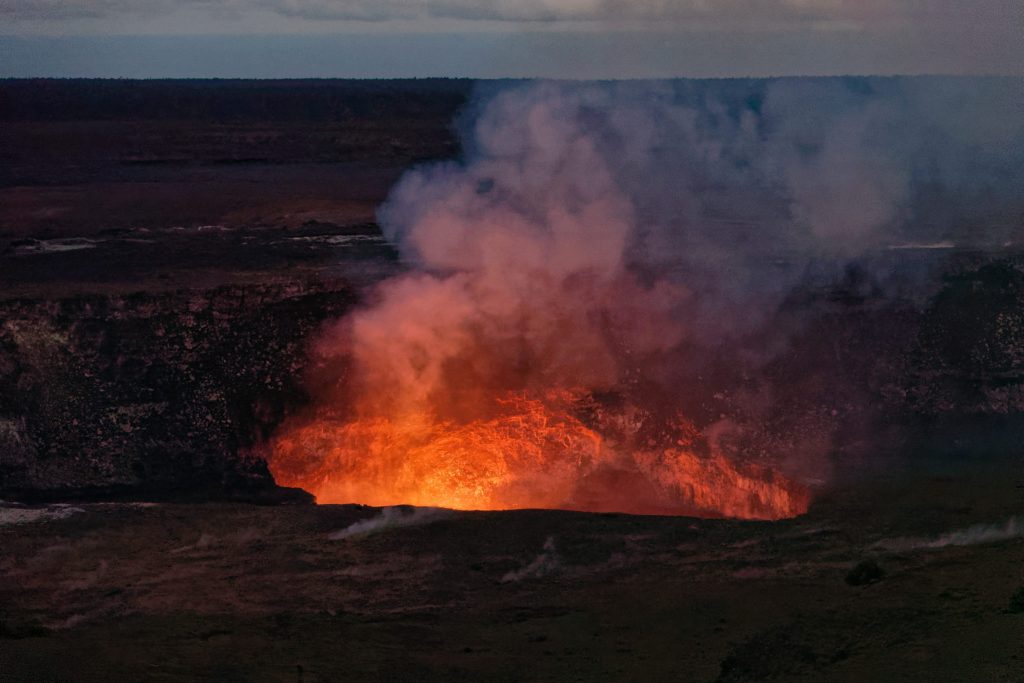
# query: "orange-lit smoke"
{"type": "Point", "coordinates": [480, 381]}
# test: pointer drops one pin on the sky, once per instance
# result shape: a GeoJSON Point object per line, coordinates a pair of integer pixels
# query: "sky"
{"type": "Point", "coordinates": [508, 38]}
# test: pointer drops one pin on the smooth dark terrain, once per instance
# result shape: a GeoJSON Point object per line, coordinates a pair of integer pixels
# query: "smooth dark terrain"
{"type": "Point", "coordinates": [167, 251]}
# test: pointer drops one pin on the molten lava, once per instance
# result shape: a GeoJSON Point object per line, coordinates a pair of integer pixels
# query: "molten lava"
{"type": "Point", "coordinates": [523, 359]}
{"type": "Point", "coordinates": [533, 452]}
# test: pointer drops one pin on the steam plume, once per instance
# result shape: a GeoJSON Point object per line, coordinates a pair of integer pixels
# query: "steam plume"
{"type": "Point", "coordinates": [623, 238]}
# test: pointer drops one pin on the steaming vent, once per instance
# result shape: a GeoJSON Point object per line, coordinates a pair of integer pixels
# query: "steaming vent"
{"type": "Point", "coordinates": [527, 360]}
{"type": "Point", "coordinates": [597, 298]}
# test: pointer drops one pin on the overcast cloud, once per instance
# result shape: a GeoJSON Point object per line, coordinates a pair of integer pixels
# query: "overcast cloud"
{"type": "Point", "coordinates": [686, 37]}
{"type": "Point", "coordinates": [703, 13]}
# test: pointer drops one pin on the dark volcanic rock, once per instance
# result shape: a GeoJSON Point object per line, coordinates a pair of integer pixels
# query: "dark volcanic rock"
{"type": "Point", "coordinates": [157, 239]}
{"type": "Point", "coordinates": [970, 353]}
{"type": "Point", "coordinates": [166, 393]}
{"type": "Point", "coordinates": [864, 573]}
{"type": "Point", "coordinates": [154, 394]}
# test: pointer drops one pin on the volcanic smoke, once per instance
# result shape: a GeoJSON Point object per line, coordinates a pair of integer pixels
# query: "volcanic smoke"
{"type": "Point", "coordinates": [561, 274]}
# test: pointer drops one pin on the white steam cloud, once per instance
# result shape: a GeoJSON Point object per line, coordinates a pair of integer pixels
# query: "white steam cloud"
{"type": "Point", "coordinates": [977, 534]}
{"type": "Point", "coordinates": [567, 179]}
{"type": "Point", "coordinates": [732, 13]}
{"type": "Point", "coordinates": [391, 517]}
{"type": "Point", "coordinates": [548, 562]}
{"type": "Point", "coordinates": [642, 239]}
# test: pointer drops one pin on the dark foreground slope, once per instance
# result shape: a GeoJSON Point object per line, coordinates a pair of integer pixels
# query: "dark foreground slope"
{"type": "Point", "coordinates": [914, 581]}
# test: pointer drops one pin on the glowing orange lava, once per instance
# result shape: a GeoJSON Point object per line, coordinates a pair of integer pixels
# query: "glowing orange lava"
{"type": "Point", "coordinates": [533, 452]}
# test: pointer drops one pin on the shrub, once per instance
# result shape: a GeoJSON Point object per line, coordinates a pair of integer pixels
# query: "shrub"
{"type": "Point", "coordinates": [864, 573]}
{"type": "Point", "coordinates": [1016, 605]}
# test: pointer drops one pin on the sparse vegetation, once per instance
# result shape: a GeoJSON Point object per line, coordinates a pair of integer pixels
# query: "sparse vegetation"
{"type": "Point", "coordinates": [1016, 605]}
{"type": "Point", "coordinates": [13, 628]}
{"type": "Point", "coordinates": [864, 573]}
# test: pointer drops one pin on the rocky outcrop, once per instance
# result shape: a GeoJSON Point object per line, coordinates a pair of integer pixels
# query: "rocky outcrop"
{"type": "Point", "coordinates": [152, 394]}
{"type": "Point", "coordinates": [169, 394]}
{"type": "Point", "coordinates": [969, 357]}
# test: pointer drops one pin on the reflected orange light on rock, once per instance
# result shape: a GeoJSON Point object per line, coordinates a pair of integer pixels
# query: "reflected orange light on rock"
{"type": "Point", "coordinates": [531, 452]}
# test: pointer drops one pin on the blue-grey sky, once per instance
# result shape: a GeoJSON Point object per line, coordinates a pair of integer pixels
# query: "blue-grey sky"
{"type": "Point", "coordinates": [495, 38]}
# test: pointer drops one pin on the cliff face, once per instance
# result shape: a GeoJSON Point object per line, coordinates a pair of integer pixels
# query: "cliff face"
{"type": "Point", "coordinates": [168, 249]}
{"type": "Point", "coordinates": [970, 353]}
{"type": "Point", "coordinates": [152, 393]}
{"type": "Point", "coordinates": [166, 394]}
